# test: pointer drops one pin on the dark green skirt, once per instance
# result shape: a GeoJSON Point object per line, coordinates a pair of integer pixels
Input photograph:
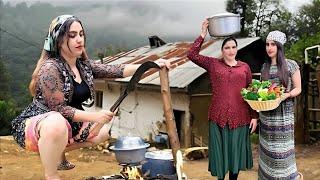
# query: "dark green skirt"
{"type": "Point", "coordinates": [229, 149]}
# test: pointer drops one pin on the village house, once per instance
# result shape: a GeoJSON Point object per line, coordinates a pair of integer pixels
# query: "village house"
{"type": "Point", "coordinates": [141, 113]}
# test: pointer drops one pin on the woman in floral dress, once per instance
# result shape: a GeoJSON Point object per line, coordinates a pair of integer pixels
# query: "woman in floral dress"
{"type": "Point", "coordinates": [55, 121]}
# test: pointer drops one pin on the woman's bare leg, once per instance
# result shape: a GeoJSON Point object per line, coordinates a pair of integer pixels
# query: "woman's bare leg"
{"type": "Point", "coordinates": [52, 142]}
{"type": "Point", "coordinates": [101, 137]}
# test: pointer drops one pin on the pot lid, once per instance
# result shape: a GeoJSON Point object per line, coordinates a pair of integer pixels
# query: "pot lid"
{"type": "Point", "coordinates": [160, 154]}
{"type": "Point", "coordinates": [129, 143]}
{"type": "Point", "coordinates": [130, 148]}
{"type": "Point", "coordinates": [226, 14]}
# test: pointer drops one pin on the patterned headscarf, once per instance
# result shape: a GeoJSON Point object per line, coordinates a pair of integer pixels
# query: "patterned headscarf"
{"type": "Point", "coordinates": [50, 44]}
{"type": "Point", "coordinates": [277, 36]}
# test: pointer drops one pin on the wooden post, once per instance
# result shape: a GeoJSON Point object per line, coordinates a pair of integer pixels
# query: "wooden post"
{"type": "Point", "coordinates": [168, 112]}
{"type": "Point", "coordinates": [302, 124]}
{"type": "Point", "coordinates": [301, 102]}
{"type": "Point", "coordinates": [318, 79]}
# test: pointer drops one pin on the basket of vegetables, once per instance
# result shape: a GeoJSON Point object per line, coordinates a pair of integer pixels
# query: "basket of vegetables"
{"type": "Point", "coordinates": [262, 95]}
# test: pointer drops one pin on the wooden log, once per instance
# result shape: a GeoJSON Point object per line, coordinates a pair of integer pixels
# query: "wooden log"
{"type": "Point", "coordinates": [302, 134]}
{"type": "Point", "coordinates": [168, 112]}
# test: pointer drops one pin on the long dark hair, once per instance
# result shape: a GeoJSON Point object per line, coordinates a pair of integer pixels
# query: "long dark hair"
{"type": "Point", "coordinates": [283, 72]}
{"type": "Point", "coordinates": [46, 55]}
{"type": "Point", "coordinates": [64, 33]}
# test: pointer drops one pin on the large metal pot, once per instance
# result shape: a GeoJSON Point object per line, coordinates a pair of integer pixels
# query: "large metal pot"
{"type": "Point", "coordinates": [224, 24]}
{"type": "Point", "coordinates": [129, 150]}
{"type": "Point", "coordinates": [159, 163]}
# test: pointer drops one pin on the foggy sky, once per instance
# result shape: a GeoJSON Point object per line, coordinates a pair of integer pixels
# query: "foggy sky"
{"type": "Point", "coordinates": [147, 17]}
{"type": "Point", "coordinates": [141, 18]}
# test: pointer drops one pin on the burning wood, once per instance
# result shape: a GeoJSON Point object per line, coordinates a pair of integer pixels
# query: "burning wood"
{"type": "Point", "coordinates": [132, 173]}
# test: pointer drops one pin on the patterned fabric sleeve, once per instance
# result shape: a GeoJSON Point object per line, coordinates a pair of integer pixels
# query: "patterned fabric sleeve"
{"type": "Point", "coordinates": [253, 114]}
{"type": "Point", "coordinates": [293, 66]}
{"type": "Point", "coordinates": [194, 56]}
{"type": "Point", "coordinates": [100, 70]}
{"type": "Point", "coordinates": [51, 86]}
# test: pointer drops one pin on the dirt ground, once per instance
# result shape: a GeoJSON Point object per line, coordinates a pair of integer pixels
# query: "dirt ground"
{"type": "Point", "coordinates": [15, 163]}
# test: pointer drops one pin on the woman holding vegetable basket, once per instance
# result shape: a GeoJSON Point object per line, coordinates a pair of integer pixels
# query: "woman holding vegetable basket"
{"type": "Point", "coordinates": [276, 134]}
{"type": "Point", "coordinates": [230, 117]}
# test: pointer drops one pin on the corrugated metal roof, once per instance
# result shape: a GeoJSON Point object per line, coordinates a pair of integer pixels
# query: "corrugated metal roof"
{"type": "Point", "coordinates": [183, 71]}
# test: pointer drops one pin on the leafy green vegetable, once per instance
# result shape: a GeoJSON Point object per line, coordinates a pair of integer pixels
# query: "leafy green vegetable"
{"type": "Point", "coordinates": [244, 92]}
{"type": "Point", "coordinates": [265, 84]}
{"type": "Point", "coordinates": [263, 94]}
{"type": "Point", "coordinates": [252, 96]}
{"type": "Point", "coordinates": [262, 91]}
{"type": "Point", "coordinates": [272, 96]}
{"type": "Point", "coordinates": [255, 84]}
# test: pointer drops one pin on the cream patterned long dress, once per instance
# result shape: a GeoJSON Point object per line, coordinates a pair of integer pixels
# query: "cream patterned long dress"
{"type": "Point", "coordinates": [276, 150]}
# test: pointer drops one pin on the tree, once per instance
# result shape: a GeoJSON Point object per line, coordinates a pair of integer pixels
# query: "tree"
{"type": "Point", "coordinates": [284, 23]}
{"type": "Point", "coordinates": [306, 32]}
{"type": "Point", "coordinates": [7, 113]}
{"type": "Point", "coordinates": [296, 51]}
{"type": "Point", "coordinates": [257, 15]}
{"type": "Point", "coordinates": [246, 10]}
{"type": "Point", "coordinates": [4, 82]}
{"type": "Point", "coordinates": [7, 105]}
{"type": "Point", "coordinates": [308, 19]}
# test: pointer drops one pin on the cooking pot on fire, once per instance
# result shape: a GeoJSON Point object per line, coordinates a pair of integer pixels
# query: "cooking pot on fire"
{"type": "Point", "coordinates": [224, 24]}
{"type": "Point", "coordinates": [159, 162]}
{"type": "Point", "coordinates": [129, 149]}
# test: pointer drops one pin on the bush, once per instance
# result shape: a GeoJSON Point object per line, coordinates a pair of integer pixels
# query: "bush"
{"type": "Point", "coordinates": [7, 113]}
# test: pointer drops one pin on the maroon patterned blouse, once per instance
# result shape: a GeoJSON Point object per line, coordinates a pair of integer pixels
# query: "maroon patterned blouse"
{"type": "Point", "coordinates": [227, 105]}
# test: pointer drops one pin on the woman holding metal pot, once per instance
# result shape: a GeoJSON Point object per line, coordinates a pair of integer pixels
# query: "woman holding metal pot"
{"type": "Point", "coordinates": [55, 121]}
{"type": "Point", "coordinates": [276, 133]}
{"type": "Point", "coordinates": [230, 117]}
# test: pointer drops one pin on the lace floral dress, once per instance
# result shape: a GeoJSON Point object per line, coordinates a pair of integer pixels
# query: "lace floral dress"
{"type": "Point", "coordinates": [54, 92]}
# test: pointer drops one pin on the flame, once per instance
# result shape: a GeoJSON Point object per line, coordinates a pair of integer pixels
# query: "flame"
{"type": "Point", "coordinates": [133, 173]}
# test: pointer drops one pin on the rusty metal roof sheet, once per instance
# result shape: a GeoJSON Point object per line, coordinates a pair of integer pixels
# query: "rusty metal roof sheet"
{"type": "Point", "coordinates": [183, 71]}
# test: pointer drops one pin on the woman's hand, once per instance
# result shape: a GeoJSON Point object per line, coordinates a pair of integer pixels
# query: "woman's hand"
{"type": "Point", "coordinates": [163, 63]}
{"type": "Point", "coordinates": [285, 96]}
{"type": "Point", "coordinates": [204, 28]}
{"type": "Point", "coordinates": [104, 116]}
{"type": "Point", "coordinates": [253, 125]}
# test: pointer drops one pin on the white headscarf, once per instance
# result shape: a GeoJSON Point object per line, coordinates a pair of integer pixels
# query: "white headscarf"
{"type": "Point", "coordinates": [277, 36]}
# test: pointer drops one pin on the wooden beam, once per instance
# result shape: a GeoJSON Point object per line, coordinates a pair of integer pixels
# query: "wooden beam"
{"type": "Point", "coordinates": [187, 129]}
{"type": "Point", "coordinates": [314, 130]}
{"type": "Point", "coordinates": [316, 121]}
{"type": "Point", "coordinates": [168, 112]}
{"type": "Point", "coordinates": [314, 109]}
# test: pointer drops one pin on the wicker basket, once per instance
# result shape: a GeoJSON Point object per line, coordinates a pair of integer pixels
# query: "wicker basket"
{"type": "Point", "coordinates": [264, 105]}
